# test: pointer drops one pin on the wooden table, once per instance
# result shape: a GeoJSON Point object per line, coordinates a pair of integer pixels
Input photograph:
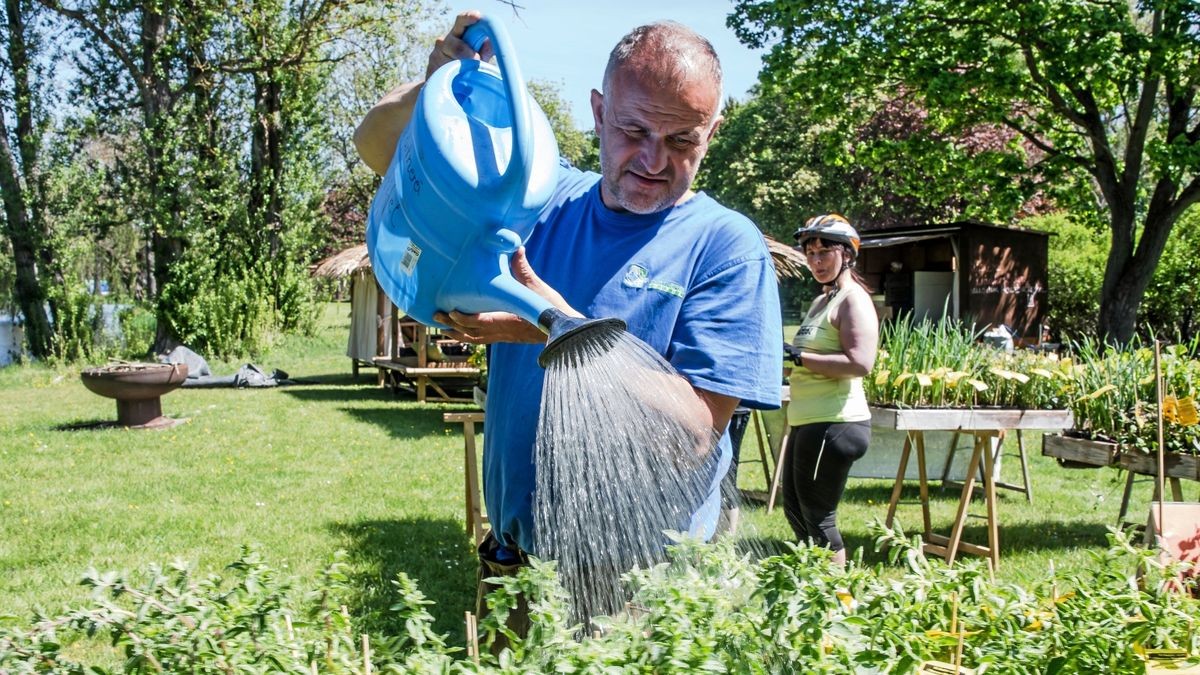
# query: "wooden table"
{"type": "Point", "coordinates": [476, 519]}
{"type": "Point", "coordinates": [982, 425]}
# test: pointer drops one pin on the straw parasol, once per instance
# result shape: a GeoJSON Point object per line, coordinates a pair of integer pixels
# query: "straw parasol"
{"type": "Point", "coordinates": [344, 264]}
{"type": "Point", "coordinates": [789, 263]}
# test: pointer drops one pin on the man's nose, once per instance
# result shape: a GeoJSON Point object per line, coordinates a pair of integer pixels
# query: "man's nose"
{"type": "Point", "coordinates": [654, 156]}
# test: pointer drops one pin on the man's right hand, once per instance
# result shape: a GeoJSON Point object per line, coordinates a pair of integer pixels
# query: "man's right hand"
{"type": "Point", "coordinates": [380, 129]}
{"type": "Point", "coordinates": [452, 46]}
{"type": "Point", "coordinates": [489, 327]}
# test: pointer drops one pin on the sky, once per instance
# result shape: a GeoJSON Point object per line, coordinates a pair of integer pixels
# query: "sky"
{"type": "Point", "coordinates": [567, 41]}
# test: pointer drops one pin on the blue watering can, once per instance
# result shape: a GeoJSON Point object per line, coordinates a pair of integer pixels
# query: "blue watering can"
{"type": "Point", "coordinates": [472, 171]}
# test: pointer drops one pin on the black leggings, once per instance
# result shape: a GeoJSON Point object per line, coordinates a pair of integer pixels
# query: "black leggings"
{"type": "Point", "coordinates": [815, 470]}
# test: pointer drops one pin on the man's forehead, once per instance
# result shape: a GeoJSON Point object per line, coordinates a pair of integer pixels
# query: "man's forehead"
{"type": "Point", "coordinates": [689, 103]}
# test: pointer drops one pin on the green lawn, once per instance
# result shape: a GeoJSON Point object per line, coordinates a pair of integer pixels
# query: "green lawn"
{"type": "Point", "coordinates": [300, 472]}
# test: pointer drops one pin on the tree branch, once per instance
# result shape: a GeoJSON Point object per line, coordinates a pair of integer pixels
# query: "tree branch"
{"type": "Point", "coordinates": [1040, 143]}
{"type": "Point", "coordinates": [1136, 144]}
{"type": "Point", "coordinates": [1048, 87]}
{"type": "Point", "coordinates": [1187, 198]}
{"type": "Point", "coordinates": [92, 27]}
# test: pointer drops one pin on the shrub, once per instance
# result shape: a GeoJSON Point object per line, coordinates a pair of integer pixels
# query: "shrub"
{"type": "Point", "coordinates": [708, 609]}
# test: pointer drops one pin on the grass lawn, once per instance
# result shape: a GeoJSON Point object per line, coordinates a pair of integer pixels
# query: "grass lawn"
{"type": "Point", "coordinates": [338, 463]}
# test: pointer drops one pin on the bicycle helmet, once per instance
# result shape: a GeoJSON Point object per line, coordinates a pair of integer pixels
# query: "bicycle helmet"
{"type": "Point", "coordinates": [830, 227]}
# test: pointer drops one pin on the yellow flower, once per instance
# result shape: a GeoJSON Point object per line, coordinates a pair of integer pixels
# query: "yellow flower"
{"type": "Point", "coordinates": [1188, 415]}
{"type": "Point", "coordinates": [1170, 409]}
{"type": "Point", "coordinates": [847, 600]}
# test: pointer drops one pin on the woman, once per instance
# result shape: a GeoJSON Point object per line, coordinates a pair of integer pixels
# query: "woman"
{"type": "Point", "coordinates": [833, 350]}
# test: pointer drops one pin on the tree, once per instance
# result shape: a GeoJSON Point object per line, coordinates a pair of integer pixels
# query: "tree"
{"type": "Point", "coordinates": [878, 162]}
{"type": "Point", "coordinates": [131, 55]}
{"type": "Point", "coordinates": [1169, 309]}
{"type": "Point", "coordinates": [578, 147]}
{"type": "Point", "coordinates": [1103, 91]}
{"type": "Point", "coordinates": [21, 180]}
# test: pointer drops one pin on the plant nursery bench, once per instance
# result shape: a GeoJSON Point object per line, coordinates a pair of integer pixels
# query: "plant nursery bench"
{"type": "Point", "coordinates": [983, 425]}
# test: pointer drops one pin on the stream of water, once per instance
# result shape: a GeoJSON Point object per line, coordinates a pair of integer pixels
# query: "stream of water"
{"type": "Point", "coordinates": [620, 460]}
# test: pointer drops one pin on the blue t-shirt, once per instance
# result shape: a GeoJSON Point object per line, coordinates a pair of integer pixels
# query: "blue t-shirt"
{"type": "Point", "coordinates": [694, 281]}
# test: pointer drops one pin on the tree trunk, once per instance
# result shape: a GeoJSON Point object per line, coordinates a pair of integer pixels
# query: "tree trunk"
{"type": "Point", "coordinates": [1129, 271]}
{"type": "Point", "coordinates": [162, 213]}
{"type": "Point", "coordinates": [31, 297]}
{"type": "Point", "coordinates": [22, 202]}
{"type": "Point", "coordinates": [266, 158]}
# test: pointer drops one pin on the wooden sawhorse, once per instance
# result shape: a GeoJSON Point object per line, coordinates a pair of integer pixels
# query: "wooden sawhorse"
{"type": "Point", "coordinates": [983, 425]}
{"type": "Point", "coordinates": [476, 520]}
{"type": "Point", "coordinates": [1025, 488]}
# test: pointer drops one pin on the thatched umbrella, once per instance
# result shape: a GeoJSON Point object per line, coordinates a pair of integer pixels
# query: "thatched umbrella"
{"type": "Point", "coordinates": [344, 264]}
{"type": "Point", "coordinates": [789, 263]}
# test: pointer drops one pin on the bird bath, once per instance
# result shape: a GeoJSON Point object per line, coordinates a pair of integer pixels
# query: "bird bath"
{"type": "Point", "coordinates": [137, 388]}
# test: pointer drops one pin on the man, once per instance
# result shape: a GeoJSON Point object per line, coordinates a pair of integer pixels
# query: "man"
{"type": "Point", "coordinates": [691, 278]}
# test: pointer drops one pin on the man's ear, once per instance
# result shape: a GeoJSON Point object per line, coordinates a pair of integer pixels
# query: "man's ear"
{"type": "Point", "coordinates": [597, 110]}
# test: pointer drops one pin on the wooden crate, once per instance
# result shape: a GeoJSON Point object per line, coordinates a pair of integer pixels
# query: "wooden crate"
{"type": "Point", "coordinates": [1175, 465]}
{"type": "Point", "coordinates": [1075, 452]}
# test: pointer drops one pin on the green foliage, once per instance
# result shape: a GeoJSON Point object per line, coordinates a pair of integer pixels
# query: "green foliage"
{"type": "Point", "coordinates": [228, 312]}
{"type": "Point", "coordinates": [76, 325]}
{"type": "Point", "coordinates": [1114, 394]}
{"type": "Point", "coordinates": [1170, 307]}
{"type": "Point", "coordinates": [138, 327]}
{"type": "Point", "coordinates": [1075, 264]}
{"type": "Point", "coordinates": [706, 610]}
{"type": "Point", "coordinates": [882, 161]}
{"type": "Point", "coordinates": [240, 124]}
{"type": "Point", "coordinates": [941, 364]}
{"type": "Point", "coordinates": [771, 161]}
{"type": "Point", "coordinates": [1047, 78]}
{"type": "Point", "coordinates": [1077, 255]}
{"type": "Point", "coordinates": [580, 148]}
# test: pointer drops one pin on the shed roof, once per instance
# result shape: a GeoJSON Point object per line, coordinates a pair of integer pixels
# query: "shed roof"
{"type": "Point", "coordinates": [344, 263]}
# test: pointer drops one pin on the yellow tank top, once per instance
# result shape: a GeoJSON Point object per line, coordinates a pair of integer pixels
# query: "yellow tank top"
{"type": "Point", "coordinates": [820, 398]}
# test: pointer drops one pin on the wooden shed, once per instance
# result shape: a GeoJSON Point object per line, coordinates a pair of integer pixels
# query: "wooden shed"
{"type": "Point", "coordinates": [980, 273]}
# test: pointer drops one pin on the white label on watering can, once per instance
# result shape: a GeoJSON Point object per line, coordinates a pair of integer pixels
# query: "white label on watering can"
{"type": "Point", "coordinates": [411, 256]}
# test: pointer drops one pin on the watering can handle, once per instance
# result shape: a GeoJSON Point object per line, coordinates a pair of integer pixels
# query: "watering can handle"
{"type": "Point", "coordinates": [521, 164]}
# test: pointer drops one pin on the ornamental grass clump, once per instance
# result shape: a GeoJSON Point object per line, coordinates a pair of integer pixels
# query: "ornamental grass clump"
{"type": "Point", "coordinates": [943, 364]}
{"type": "Point", "coordinates": [1114, 395]}
{"type": "Point", "coordinates": [709, 608]}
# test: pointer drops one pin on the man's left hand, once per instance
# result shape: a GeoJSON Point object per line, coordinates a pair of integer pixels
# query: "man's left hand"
{"type": "Point", "coordinates": [488, 327]}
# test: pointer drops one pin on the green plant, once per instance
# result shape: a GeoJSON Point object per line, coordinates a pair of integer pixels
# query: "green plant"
{"type": "Point", "coordinates": [138, 325]}
{"type": "Point", "coordinates": [942, 364]}
{"type": "Point", "coordinates": [708, 609]}
{"type": "Point", "coordinates": [1114, 395]}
